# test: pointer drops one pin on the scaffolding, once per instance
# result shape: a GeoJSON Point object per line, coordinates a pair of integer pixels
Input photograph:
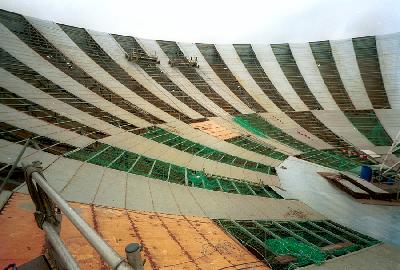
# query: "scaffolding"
{"type": "Point", "coordinates": [177, 57]}
{"type": "Point", "coordinates": [144, 60]}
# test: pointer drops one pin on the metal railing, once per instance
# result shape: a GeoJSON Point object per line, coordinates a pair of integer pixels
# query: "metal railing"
{"type": "Point", "coordinates": [49, 205]}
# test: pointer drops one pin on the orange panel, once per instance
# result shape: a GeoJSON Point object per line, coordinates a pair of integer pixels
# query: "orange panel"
{"type": "Point", "coordinates": [84, 254]}
{"type": "Point", "coordinates": [216, 130]}
{"type": "Point", "coordinates": [170, 241]}
{"type": "Point", "coordinates": [20, 238]}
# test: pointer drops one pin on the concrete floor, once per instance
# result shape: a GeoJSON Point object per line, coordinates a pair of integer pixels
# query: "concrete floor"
{"type": "Point", "coordinates": [301, 181]}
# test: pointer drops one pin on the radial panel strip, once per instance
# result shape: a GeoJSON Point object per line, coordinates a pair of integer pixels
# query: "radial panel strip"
{"type": "Point", "coordinates": [82, 38]}
{"type": "Point", "coordinates": [309, 122]}
{"type": "Point", "coordinates": [250, 61]}
{"type": "Point", "coordinates": [369, 125]}
{"type": "Point", "coordinates": [30, 76]}
{"type": "Point", "coordinates": [172, 50]}
{"type": "Point", "coordinates": [215, 61]}
{"type": "Point", "coordinates": [131, 46]}
{"type": "Point", "coordinates": [322, 53]}
{"type": "Point", "coordinates": [289, 67]}
{"type": "Point", "coordinates": [368, 62]}
{"type": "Point", "coordinates": [35, 40]}
{"type": "Point", "coordinates": [19, 136]}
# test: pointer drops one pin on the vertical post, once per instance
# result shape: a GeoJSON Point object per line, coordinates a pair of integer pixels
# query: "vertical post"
{"type": "Point", "coordinates": [132, 252]}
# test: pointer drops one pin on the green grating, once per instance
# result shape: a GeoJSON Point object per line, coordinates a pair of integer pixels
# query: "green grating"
{"type": "Point", "coordinates": [256, 147]}
{"type": "Point", "coordinates": [304, 253]}
{"type": "Point", "coordinates": [125, 162]}
{"type": "Point", "coordinates": [261, 127]}
{"type": "Point", "coordinates": [307, 242]}
{"type": "Point", "coordinates": [247, 124]}
{"type": "Point", "coordinates": [160, 170]}
{"type": "Point", "coordinates": [177, 175]}
{"type": "Point", "coordinates": [143, 166]}
{"type": "Point", "coordinates": [368, 124]}
{"type": "Point", "coordinates": [165, 137]}
{"type": "Point", "coordinates": [87, 152]}
{"type": "Point", "coordinates": [106, 157]}
{"type": "Point", "coordinates": [116, 158]}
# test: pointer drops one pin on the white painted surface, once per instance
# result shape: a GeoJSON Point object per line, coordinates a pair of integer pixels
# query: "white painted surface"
{"type": "Point", "coordinates": [40, 127]}
{"type": "Point", "coordinates": [233, 62]}
{"type": "Point", "coordinates": [207, 73]}
{"type": "Point", "coordinates": [301, 181]}
{"type": "Point", "coordinates": [27, 91]}
{"type": "Point", "coordinates": [346, 63]}
{"type": "Point", "coordinates": [113, 49]}
{"type": "Point", "coordinates": [388, 47]}
{"type": "Point", "coordinates": [271, 67]}
{"type": "Point", "coordinates": [19, 50]}
{"type": "Point", "coordinates": [152, 47]}
{"type": "Point", "coordinates": [390, 120]}
{"type": "Point", "coordinates": [64, 44]}
{"type": "Point", "coordinates": [309, 70]}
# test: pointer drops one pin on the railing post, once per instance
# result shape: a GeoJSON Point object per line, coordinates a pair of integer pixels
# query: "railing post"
{"type": "Point", "coordinates": [46, 196]}
{"type": "Point", "coordinates": [133, 256]}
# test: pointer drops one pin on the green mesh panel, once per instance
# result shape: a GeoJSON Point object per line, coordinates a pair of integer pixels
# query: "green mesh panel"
{"type": "Point", "coordinates": [304, 253]}
{"type": "Point", "coordinates": [165, 137]}
{"type": "Point", "coordinates": [160, 170]}
{"type": "Point", "coordinates": [116, 158]}
{"type": "Point", "coordinates": [196, 179]}
{"type": "Point", "coordinates": [177, 175]}
{"type": "Point", "coordinates": [87, 152]}
{"type": "Point", "coordinates": [125, 162]}
{"type": "Point", "coordinates": [335, 159]}
{"type": "Point", "coordinates": [243, 188]}
{"type": "Point", "coordinates": [227, 185]}
{"type": "Point", "coordinates": [259, 126]}
{"type": "Point", "coordinates": [143, 166]}
{"type": "Point", "coordinates": [248, 125]}
{"type": "Point", "coordinates": [106, 157]}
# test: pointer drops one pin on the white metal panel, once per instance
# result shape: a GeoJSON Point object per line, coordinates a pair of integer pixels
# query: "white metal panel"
{"type": "Point", "coordinates": [152, 47]}
{"type": "Point", "coordinates": [207, 73]}
{"type": "Point", "coordinates": [233, 62]}
{"type": "Point", "coordinates": [27, 91]}
{"type": "Point", "coordinates": [268, 61]}
{"type": "Point", "coordinates": [84, 184]}
{"type": "Point", "coordinates": [388, 47]}
{"type": "Point", "coordinates": [390, 120]}
{"type": "Point", "coordinates": [346, 63]}
{"type": "Point", "coordinates": [112, 189]}
{"type": "Point", "coordinates": [309, 70]}
{"type": "Point", "coordinates": [14, 46]}
{"type": "Point", "coordinates": [54, 34]}
{"type": "Point", "coordinates": [42, 128]}
{"type": "Point", "coordinates": [114, 50]}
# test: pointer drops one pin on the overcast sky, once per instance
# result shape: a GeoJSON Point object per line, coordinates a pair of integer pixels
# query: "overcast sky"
{"type": "Point", "coordinates": [222, 21]}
